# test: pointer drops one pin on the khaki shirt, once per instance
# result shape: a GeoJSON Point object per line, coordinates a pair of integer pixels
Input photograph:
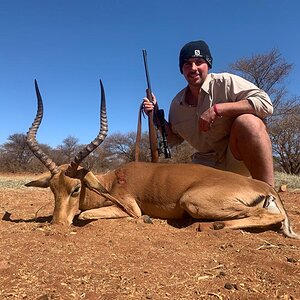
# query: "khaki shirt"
{"type": "Point", "coordinates": [217, 88]}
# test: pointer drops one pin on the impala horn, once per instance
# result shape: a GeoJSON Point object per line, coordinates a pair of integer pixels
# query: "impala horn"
{"type": "Point", "coordinates": [71, 171]}
{"type": "Point", "coordinates": [31, 136]}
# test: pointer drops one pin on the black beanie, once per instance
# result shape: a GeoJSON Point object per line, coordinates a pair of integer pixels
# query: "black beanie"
{"type": "Point", "coordinates": [195, 49]}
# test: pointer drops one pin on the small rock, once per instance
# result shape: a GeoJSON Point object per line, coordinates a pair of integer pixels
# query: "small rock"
{"type": "Point", "coordinates": [147, 219]}
{"type": "Point", "coordinates": [283, 188]}
{"type": "Point", "coordinates": [292, 260]}
{"type": "Point", "coordinates": [221, 274]}
{"type": "Point", "coordinates": [229, 286]}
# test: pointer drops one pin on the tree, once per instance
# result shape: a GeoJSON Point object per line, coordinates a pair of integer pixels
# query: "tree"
{"type": "Point", "coordinates": [122, 147]}
{"type": "Point", "coordinates": [268, 71]}
{"type": "Point", "coordinates": [285, 136]}
{"type": "Point", "coordinates": [68, 149]}
{"type": "Point", "coordinates": [98, 161]}
{"type": "Point", "coordinates": [17, 157]}
{"type": "Point", "coordinates": [15, 153]}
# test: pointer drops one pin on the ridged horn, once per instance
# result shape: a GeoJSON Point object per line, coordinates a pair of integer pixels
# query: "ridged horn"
{"type": "Point", "coordinates": [97, 141]}
{"type": "Point", "coordinates": [31, 135]}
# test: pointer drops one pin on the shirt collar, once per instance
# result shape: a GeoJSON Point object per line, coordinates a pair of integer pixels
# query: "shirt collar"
{"type": "Point", "coordinates": [205, 85]}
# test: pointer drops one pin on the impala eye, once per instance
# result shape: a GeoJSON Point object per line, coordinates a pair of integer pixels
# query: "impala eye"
{"type": "Point", "coordinates": [76, 191]}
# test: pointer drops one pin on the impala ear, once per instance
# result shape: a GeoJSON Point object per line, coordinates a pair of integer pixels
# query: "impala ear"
{"type": "Point", "coordinates": [93, 183]}
{"type": "Point", "coordinates": [42, 182]}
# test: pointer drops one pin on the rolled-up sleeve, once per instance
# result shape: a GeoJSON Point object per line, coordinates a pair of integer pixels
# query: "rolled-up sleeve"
{"type": "Point", "coordinates": [261, 103]}
{"type": "Point", "coordinates": [238, 89]}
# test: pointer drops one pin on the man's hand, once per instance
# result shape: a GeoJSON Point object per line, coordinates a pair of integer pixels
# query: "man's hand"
{"type": "Point", "coordinates": [148, 106]}
{"type": "Point", "coordinates": [207, 119]}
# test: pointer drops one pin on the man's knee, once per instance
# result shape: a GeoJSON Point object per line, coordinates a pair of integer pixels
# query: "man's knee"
{"type": "Point", "coordinates": [246, 125]}
{"type": "Point", "coordinates": [247, 130]}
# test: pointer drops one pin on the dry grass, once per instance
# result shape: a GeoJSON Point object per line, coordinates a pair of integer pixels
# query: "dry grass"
{"type": "Point", "coordinates": [292, 181]}
{"type": "Point", "coordinates": [15, 181]}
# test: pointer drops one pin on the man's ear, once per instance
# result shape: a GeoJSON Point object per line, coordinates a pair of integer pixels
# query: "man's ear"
{"type": "Point", "coordinates": [42, 182]}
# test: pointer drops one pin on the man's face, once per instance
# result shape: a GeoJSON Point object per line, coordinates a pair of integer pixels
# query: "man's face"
{"type": "Point", "coordinates": [195, 71]}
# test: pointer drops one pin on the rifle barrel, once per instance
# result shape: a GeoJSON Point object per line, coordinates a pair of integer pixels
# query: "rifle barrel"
{"type": "Point", "coordinates": [147, 74]}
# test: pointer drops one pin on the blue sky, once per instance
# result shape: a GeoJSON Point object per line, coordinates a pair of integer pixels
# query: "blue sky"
{"type": "Point", "coordinates": [68, 45]}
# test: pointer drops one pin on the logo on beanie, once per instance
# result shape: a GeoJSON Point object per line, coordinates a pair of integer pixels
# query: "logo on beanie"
{"type": "Point", "coordinates": [197, 53]}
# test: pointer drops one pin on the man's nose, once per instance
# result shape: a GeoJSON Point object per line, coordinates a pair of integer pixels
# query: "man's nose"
{"type": "Point", "coordinates": [194, 66]}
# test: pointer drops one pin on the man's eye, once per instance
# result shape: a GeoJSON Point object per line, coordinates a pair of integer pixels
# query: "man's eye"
{"type": "Point", "coordinates": [187, 64]}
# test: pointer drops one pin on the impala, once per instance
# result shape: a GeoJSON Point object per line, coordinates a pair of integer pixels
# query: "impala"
{"type": "Point", "coordinates": [159, 190]}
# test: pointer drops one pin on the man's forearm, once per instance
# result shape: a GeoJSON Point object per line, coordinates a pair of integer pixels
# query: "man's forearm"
{"type": "Point", "coordinates": [233, 109]}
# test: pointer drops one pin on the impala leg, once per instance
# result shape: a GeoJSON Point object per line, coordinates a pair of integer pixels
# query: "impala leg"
{"type": "Point", "coordinates": [204, 204]}
{"type": "Point", "coordinates": [126, 202]}
{"type": "Point", "coordinates": [260, 220]}
{"type": "Point", "coordinates": [227, 212]}
{"type": "Point", "coordinates": [108, 212]}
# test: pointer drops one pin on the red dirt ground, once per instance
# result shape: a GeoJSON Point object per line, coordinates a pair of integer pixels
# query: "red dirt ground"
{"type": "Point", "coordinates": [130, 259]}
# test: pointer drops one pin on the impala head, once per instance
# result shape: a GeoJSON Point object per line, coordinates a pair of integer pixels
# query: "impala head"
{"type": "Point", "coordinates": [67, 182]}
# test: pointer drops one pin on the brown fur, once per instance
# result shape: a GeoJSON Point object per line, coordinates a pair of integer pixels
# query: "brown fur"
{"type": "Point", "coordinates": [166, 191]}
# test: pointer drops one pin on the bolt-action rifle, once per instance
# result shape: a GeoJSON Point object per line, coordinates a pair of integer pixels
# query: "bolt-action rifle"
{"type": "Point", "coordinates": [156, 118]}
